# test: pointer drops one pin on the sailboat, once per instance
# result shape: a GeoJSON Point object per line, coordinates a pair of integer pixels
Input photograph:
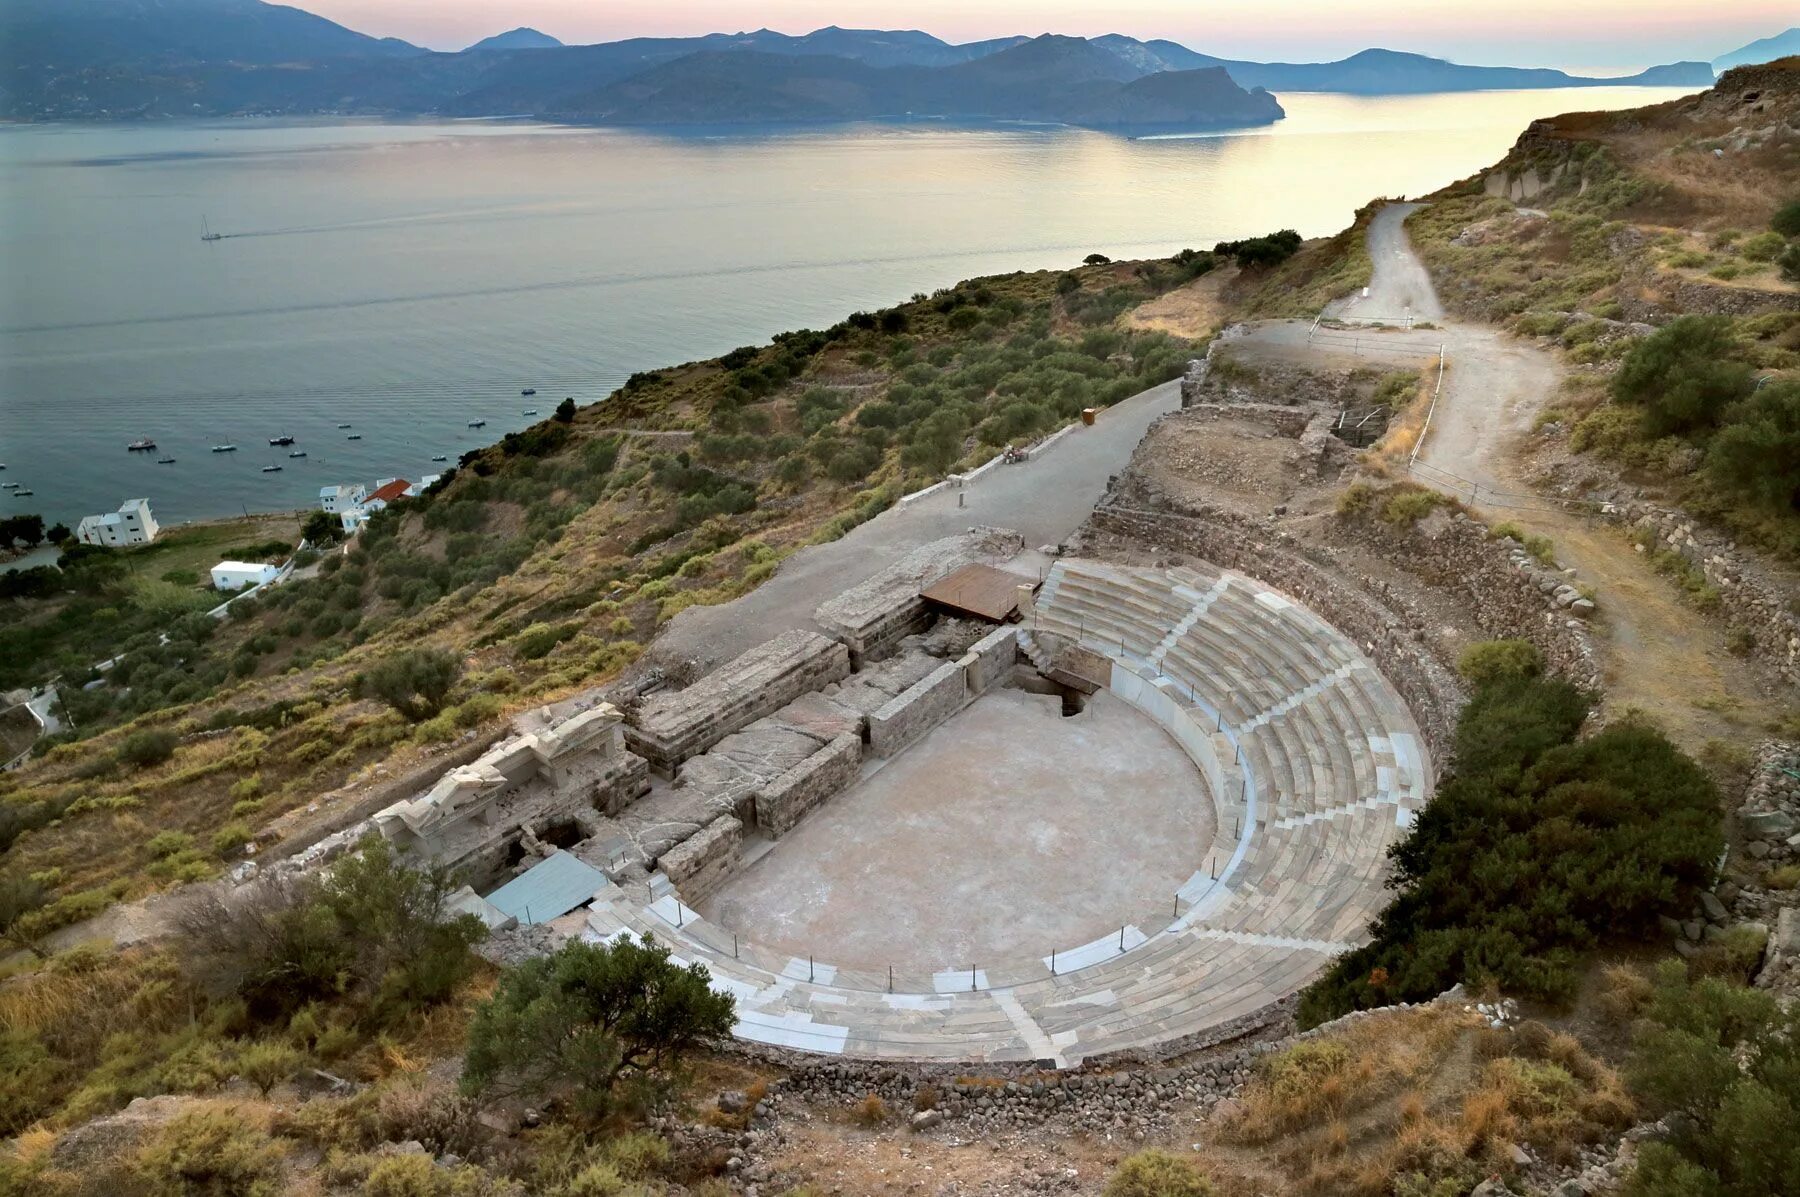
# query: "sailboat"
{"type": "Point", "coordinates": [206, 234]}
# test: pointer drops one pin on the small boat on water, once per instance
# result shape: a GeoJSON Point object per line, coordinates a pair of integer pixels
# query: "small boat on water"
{"type": "Point", "coordinates": [354, 436]}
{"type": "Point", "coordinates": [298, 453]}
{"type": "Point", "coordinates": [343, 425]}
{"type": "Point", "coordinates": [11, 485]}
{"type": "Point", "coordinates": [23, 494]}
{"type": "Point", "coordinates": [530, 411]}
{"type": "Point", "coordinates": [271, 469]}
{"type": "Point", "coordinates": [206, 233]}
{"type": "Point", "coordinates": [477, 423]}
{"type": "Point", "coordinates": [528, 391]}
{"type": "Point", "coordinates": [165, 461]}
{"type": "Point", "coordinates": [281, 440]}
{"type": "Point", "coordinates": [224, 448]}
{"type": "Point", "coordinates": [440, 457]}
{"type": "Point", "coordinates": [140, 445]}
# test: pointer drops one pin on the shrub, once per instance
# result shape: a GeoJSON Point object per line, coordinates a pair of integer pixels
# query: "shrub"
{"type": "Point", "coordinates": [370, 929]}
{"type": "Point", "coordinates": [1787, 220]}
{"type": "Point", "coordinates": [1757, 453]}
{"type": "Point", "coordinates": [871, 1111]}
{"type": "Point", "coordinates": [1728, 1058]}
{"type": "Point", "coordinates": [592, 1016]}
{"type": "Point", "coordinates": [1790, 263]}
{"type": "Point", "coordinates": [1406, 507]}
{"type": "Point", "coordinates": [141, 749]}
{"type": "Point", "coordinates": [212, 1149]}
{"type": "Point", "coordinates": [1764, 247]}
{"type": "Point", "coordinates": [267, 1063]}
{"type": "Point", "coordinates": [1538, 848]}
{"type": "Point", "coordinates": [1154, 1172]}
{"type": "Point", "coordinates": [1684, 375]}
{"type": "Point", "coordinates": [414, 682]}
{"type": "Point", "coordinates": [1493, 661]}
{"type": "Point", "coordinates": [168, 843]}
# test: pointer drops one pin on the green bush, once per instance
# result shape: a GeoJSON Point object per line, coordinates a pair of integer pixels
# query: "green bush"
{"type": "Point", "coordinates": [1764, 247]}
{"type": "Point", "coordinates": [414, 682]}
{"type": "Point", "coordinates": [1727, 1059]}
{"type": "Point", "coordinates": [1495, 661]}
{"type": "Point", "coordinates": [1536, 849]}
{"type": "Point", "coordinates": [267, 1063]}
{"type": "Point", "coordinates": [370, 929]}
{"type": "Point", "coordinates": [153, 746]}
{"type": "Point", "coordinates": [211, 1150]}
{"type": "Point", "coordinates": [590, 1017]}
{"type": "Point", "coordinates": [1684, 375]}
{"type": "Point", "coordinates": [1757, 453]}
{"type": "Point", "coordinates": [1154, 1172]}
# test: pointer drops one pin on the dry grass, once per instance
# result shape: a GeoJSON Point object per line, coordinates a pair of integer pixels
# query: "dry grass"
{"type": "Point", "coordinates": [1411, 1099]}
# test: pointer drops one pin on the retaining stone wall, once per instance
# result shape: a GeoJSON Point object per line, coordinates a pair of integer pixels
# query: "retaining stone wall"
{"type": "Point", "coordinates": [787, 799]}
{"type": "Point", "coordinates": [1366, 610]}
{"type": "Point", "coordinates": [1753, 599]}
{"type": "Point", "coordinates": [917, 710]}
{"type": "Point", "coordinates": [699, 864]}
{"type": "Point", "coordinates": [989, 660]}
{"type": "Point", "coordinates": [1508, 594]}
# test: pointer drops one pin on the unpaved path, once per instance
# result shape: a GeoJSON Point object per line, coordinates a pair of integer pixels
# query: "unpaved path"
{"type": "Point", "coordinates": [1659, 655]}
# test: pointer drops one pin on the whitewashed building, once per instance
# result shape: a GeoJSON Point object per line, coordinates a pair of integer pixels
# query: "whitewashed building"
{"type": "Point", "coordinates": [237, 575]}
{"type": "Point", "coordinates": [131, 524]}
{"type": "Point", "coordinates": [336, 500]}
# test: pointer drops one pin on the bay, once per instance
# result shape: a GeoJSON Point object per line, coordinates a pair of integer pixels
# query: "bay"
{"type": "Point", "coordinates": [408, 278]}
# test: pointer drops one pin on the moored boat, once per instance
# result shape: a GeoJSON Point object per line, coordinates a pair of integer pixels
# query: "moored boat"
{"type": "Point", "coordinates": [140, 445]}
{"type": "Point", "coordinates": [224, 448]}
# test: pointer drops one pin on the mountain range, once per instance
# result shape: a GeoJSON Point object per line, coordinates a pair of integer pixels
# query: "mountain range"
{"type": "Point", "coordinates": [151, 58]}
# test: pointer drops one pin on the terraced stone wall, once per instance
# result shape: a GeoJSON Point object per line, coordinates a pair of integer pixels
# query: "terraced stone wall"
{"type": "Point", "coordinates": [1753, 599]}
{"type": "Point", "coordinates": [989, 660]}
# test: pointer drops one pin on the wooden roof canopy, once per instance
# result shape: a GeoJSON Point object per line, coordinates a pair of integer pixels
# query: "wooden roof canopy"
{"type": "Point", "coordinates": [979, 592]}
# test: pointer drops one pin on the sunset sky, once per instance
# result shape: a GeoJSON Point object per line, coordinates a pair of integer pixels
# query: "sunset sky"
{"type": "Point", "coordinates": [1571, 33]}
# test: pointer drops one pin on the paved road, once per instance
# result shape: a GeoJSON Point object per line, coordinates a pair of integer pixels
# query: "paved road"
{"type": "Point", "coordinates": [1046, 498]}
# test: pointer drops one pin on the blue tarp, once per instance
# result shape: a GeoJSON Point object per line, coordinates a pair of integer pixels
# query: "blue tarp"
{"type": "Point", "coordinates": [549, 890]}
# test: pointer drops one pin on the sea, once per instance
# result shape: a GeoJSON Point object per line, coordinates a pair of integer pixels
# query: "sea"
{"type": "Point", "coordinates": [384, 292]}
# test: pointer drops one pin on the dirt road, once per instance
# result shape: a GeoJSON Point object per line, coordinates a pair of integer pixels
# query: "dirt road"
{"type": "Point", "coordinates": [1660, 656]}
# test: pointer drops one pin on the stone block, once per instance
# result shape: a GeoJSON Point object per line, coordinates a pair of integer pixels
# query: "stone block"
{"type": "Point", "coordinates": [916, 711]}
{"type": "Point", "coordinates": [700, 864]}
{"type": "Point", "coordinates": [667, 729]}
{"type": "Point", "coordinates": [872, 617]}
{"type": "Point", "coordinates": [989, 660]}
{"type": "Point", "coordinates": [787, 799]}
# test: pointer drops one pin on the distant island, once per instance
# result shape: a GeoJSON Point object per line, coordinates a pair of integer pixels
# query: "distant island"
{"type": "Point", "coordinates": [113, 59]}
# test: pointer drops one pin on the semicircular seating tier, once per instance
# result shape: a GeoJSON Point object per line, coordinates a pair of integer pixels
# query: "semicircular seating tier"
{"type": "Point", "coordinates": [1316, 767]}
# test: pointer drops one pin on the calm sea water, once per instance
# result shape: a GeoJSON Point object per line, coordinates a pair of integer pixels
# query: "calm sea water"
{"type": "Point", "coordinates": [407, 278]}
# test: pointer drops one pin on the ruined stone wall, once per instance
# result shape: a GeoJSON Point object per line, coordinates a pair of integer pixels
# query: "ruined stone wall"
{"type": "Point", "coordinates": [667, 729]}
{"type": "Point", "coordinates": [787, 799]}
{"type": "Point", "coordinates": [700, 864]}
{"type": "Point", "coordinates": [1365, 610]}
{"type": "Point", "coordinates": [874, 616]}
{"type": "Point", "coordinates": [1753, 599]}
{"type": "Point", "coordinates": [916, 711]}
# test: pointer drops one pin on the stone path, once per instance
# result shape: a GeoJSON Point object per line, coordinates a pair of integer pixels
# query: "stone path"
{"type": "Point", "coordinates": [1318, 768]}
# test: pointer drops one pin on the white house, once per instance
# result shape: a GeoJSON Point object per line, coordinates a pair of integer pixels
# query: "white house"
{"type": "Point", "coordinates": [335, 500]}
{"type": "Point", "coordinates": [236, 575]}
{"type": "Point", "coordinates": [131, 524]}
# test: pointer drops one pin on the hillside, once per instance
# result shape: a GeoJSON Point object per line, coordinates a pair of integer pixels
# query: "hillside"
{"type": "Point", "coordinates": [1766, 49]}
{"type": "Point", "coordinates": [522, 38]}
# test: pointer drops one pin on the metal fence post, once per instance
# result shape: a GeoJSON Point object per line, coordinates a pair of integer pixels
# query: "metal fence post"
{"type": "Point", "coordinates": [890, 978]}
{"type": "Point", "coordinates": [971, 978]}
{"type": "Point", "coordinates": [809, 969]}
